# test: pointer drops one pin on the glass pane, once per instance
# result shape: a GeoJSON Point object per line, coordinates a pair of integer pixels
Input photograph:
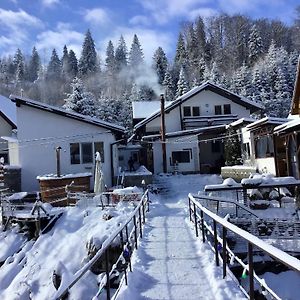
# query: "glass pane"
{"type": "Point", "coordinates": [227, 109]}
{"type": "Point", "coordinates": [87, 153]}
{"type": "Point", "coordinates": [181, 157]}
{"type": "Point", "coordinates": [99, 147]}
{"type": "Point", "coordinates": [196, 111]}
{"type": "Point", "coordinates": [74, 153]}
{"type": "Point", "coordinates": [218, 110]}
{"type": "Point", "coordinates": [186, 111]}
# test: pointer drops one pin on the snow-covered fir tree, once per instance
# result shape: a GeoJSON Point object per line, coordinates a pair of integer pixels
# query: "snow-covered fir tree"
{"type": "Point", "coordinates": [121, 55]}
{"type": "Point", "coordinates": [255, 45]}
{"type": "Point", "coordinates": [79, 100]}
{"type": "Point", "coordinates": [168, 86]}
{"type": "Point", "coordinates": [88, 63]}
{"type": "Point", "coordinates": [136, 56]}
{"type": "Point", "coordinates": [72, 69]}
{"type": "Point", "coordinates": [34, 65]}
{"type": "Point", "coordinates": [160, 64]}
{"type": "Point", "coordinates": [182, 85]}
{"type": "Point", "coordinates": [54, 69]}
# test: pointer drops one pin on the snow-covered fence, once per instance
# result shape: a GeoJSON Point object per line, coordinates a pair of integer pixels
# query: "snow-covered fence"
{"type": "Point", "coordinates": [128, 234]}
{"type": "Point", "coordinates": [203, 217]}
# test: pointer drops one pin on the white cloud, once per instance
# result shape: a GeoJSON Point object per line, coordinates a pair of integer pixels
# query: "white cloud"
{"type": "Point", "coordinates": [49, 3]}
{"type": "Point", "coordinates": [164, 10]}
{"type": "Point", "coordinates": [96, 16]}
{"type": "Point", "coordinates": [63, 35]}
{"type": "Point", "coordinates": [16, 24]}
{"type": "Point", "coordinates": [203, 12]}
{"type": "Point", "coordinates": [140, 20]}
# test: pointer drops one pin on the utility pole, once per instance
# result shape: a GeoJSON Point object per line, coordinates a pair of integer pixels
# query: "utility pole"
{"type": "Point", "coordinates": [163, 132]}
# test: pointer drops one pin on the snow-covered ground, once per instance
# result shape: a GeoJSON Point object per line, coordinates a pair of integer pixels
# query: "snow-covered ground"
{"type": "Point", "coordinates": [169, 264]}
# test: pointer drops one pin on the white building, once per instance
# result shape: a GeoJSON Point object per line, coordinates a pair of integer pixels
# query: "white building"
{"type": "Point", "coordinates": [42, 128]}
{"type": "Point", "coordinates": [192, 123]}
{"type": "Point", "coordinates": [8, 123]}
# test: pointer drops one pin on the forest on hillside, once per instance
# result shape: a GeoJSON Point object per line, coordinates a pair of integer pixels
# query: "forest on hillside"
{"type": "Point", "coordinates": [253, 58]}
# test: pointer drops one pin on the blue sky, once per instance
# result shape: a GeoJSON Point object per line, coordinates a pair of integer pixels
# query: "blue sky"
{"type": "Point", "coordinates": [53, 23]}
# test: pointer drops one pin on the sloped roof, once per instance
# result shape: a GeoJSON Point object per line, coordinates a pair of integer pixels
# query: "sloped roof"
{"type": "Point", "coordinates": [68, 114]}
{"type": "Point", "coordinates": [292, 125]}
{"type": "Point", "coordinates": [265, 121]}
{"type": "Point", "coordinates": [8, 111]}
{"type": "Point", "coordinates": [253, 106]}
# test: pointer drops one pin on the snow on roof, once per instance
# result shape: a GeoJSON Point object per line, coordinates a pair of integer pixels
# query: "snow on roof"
{"type": "Point", "coordinates": [142, 109]}
{"type": "Point", "coordinates": [241, 121]}
{"type": "Point", "coordinates": [69, 114]}
{"type": "Point", "coordinates": [187, 132]}
{"type": "Point", "coordinates": [207, 85]}
{"type": "Point", "coordinates": [288, 126]}
{"type": "Point", "coordinates": [8, 109]}
{"type": "Point", "coordinates": [9, 139]}
{"type": "Point", "coordinates": [267, 120]}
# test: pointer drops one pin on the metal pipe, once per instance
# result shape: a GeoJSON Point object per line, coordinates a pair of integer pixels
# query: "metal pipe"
{"type": "Point", "coordinates": [163, 132]}
{"type": "Point", "coordinates": [58, 174]}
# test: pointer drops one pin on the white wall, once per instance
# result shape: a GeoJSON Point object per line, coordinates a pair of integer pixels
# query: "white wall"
{"type": "Point", "coordinates": [192, 166]}
{"type": "Point", "coordinates": [206, 100]}
{"type": "Point", "coordinates": [266, 165]}
{"type": "Point", "coordinates": [39, 158]}
{"type": "Point", "coordinates": [13, 148]}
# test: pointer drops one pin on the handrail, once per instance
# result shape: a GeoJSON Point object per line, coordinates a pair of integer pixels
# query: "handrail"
{"type": "Point", "coordinates": [63, 289]}
{"type": "Point", "coordinates": [220, 199]}
{"type": "Point", "coordinates": [279, 255]}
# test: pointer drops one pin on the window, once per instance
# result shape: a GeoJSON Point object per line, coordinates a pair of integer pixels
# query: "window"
{"type": "Point", "coordinates": [181, 156]}
{"type": "Point", "coordinates": [227, 109]}
{"type": "Point", "coordinates": [218, 109]}
{"type": "Point", "coordinates": [186, 111]}
{"type": "Point", "coordinates": [99, 147]}
{"type": "Point", "coordinates": [196, 111]}
{"type": "Point", "coordinates": [86, 153]}
{"type": "Point", "coordinates": [216, 146]}
{"type": "Point", "coordinates": [75, 154]}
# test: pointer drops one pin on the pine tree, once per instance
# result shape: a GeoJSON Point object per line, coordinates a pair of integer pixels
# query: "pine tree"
{"type": "Point", "coordinates": [255, 45]}
{"type": "Point", "coordinates": [19, 66]}
{"type": "Point", "coordinates": [110, 59]}
{"type": "Point", "coordinates": [72, 64]}
{"type": "Point", "coordinates": [242, 81]}
{"type": "Point", "coordinates": [160, 64]}
{"type": "Point", "coordinates": [34, 65]}
{"type": "Point", "coordinates": [65, 61]}
{"type": "Point", "coordinates": [121, 55]}
{"type": "Point", "coordinates": [136, 56]}
{"type": "Point", "coordinates": [88, 63]}
{"type": "Point", "coordinates": [215, 75]}
{"type": "Point", "coordinates": [79, 100]}
{"type": "Point", "coordinates": [200, 38]}
{"type": "Point", "coordinates": [182, 86]}
{"type": "Point", "coordinates": [54, 68]}
{"type": "Point", "coordinates": [232, 148]}
{"type": "Point", "coordinates": [169, 86]}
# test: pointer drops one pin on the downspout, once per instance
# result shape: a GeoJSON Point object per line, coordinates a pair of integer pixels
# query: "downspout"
{"type": "Point", "coordinates": [163, 132]}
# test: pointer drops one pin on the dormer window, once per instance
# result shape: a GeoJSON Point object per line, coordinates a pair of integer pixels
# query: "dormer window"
{"type": "Point", "coordinates": [187, 111]}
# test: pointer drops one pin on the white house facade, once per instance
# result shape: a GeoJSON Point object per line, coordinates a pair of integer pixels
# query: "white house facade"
{"type": "Point", "coordinates": [192, 124]}
{"type": "Point", "coordinates": [42, 128]}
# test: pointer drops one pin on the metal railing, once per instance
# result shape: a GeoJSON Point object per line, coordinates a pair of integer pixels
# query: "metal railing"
{"type": "Point", "coordinates": [128, 234]}
{"type": "Point", "coordinates": [201, 217]}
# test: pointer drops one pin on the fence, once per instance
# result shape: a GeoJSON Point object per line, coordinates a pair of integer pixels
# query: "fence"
{"type": "Point", "coordinates": [203, 217]}
{"type": "Point", "coordinates": [128, 233]}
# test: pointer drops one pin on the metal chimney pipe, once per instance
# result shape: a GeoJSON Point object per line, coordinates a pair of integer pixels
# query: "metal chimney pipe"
{"type": "Point", "coordinates": [58, 174]}
{"type": "Point", "coordinates": [163, 132]}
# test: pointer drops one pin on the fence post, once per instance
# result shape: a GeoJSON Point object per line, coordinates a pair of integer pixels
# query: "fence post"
{"type": "Point", "coordinates": [216, 243]}
{"type": "Point", "coordinates": [148, 198]}
{"type": "Point", "coordinates": [224, 252]}
{"type": "Point", "coordinates": [140, 222]}
{"type": "Point", "coordinates": [135, 234]}
{"type": "Point", "coordinates": [190, 209]}
{"type": "Point", "coordinates": [143, 210]}
{"type": "Point", "coordinates": [202, 225]}
{"type": "Point", "coordinates": [127, 239]}
{"type": "Point", "coordinates": [195, 220]}
{"type": "Point", "coordinates": [251, 277]}
{"type": "Point", "coordinates": [107, 274]}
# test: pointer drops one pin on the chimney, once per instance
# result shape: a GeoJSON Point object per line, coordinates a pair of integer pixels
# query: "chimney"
{"type": "Point", "coordinates": [163, 132]}
{"type": "Point", "coordinates": [58, 174]}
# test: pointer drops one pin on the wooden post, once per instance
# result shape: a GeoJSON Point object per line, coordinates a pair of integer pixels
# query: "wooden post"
{"type": "Point", "coordinates": [195, 220]}
{"type": "Point", "coordinates": [127, 239]}
{"type": "Point", "coordinates": [202, 226]}
{"type": "Point", "coordinates": [140, 223]}
{"type": "Point", "coordinates": [216, 243]}
{"type": "Point", "coordinates": [190, 209]}
{"type": "Point", "coordinates": [224, 252]}
{"type": "Point", "coordinates": [58, 161]}
{"type": "Point", "coordinates": [107, 274]}
{"type": "Point", "coordinates": [251, 277]}
{"type": "Point", "coordinates": [163, 132]}
{"type": "Point", "coordinates": [135, 233]}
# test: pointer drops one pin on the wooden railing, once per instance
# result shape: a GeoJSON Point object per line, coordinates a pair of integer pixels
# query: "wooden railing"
{"type": "Point", "coordinates": [128, 232]}
{"type": "Point", "coordinates": [203, 218]}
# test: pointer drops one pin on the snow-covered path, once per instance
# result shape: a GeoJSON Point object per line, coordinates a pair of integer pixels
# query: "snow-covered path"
{"type": "Point", "coordinates": [170, 263]}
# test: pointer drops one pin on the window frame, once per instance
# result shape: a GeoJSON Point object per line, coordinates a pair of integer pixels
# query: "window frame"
{"type": "Point", "coordinates": [187, 112]}
{"type": "Point", "coordinates": [218, 110]}
{"type": "Point", "coordinates": [197, 108]}
{"type": "Point", "coordinates": [78, 158]}
{"type": "Point", "coordinates": [177, 156]}
{"type": "Point", "coordinates": [227, 107]}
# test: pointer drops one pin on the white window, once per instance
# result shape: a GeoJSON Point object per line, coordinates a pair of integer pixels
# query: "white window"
{"type": "Point", "coordinates": [83, 153]}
